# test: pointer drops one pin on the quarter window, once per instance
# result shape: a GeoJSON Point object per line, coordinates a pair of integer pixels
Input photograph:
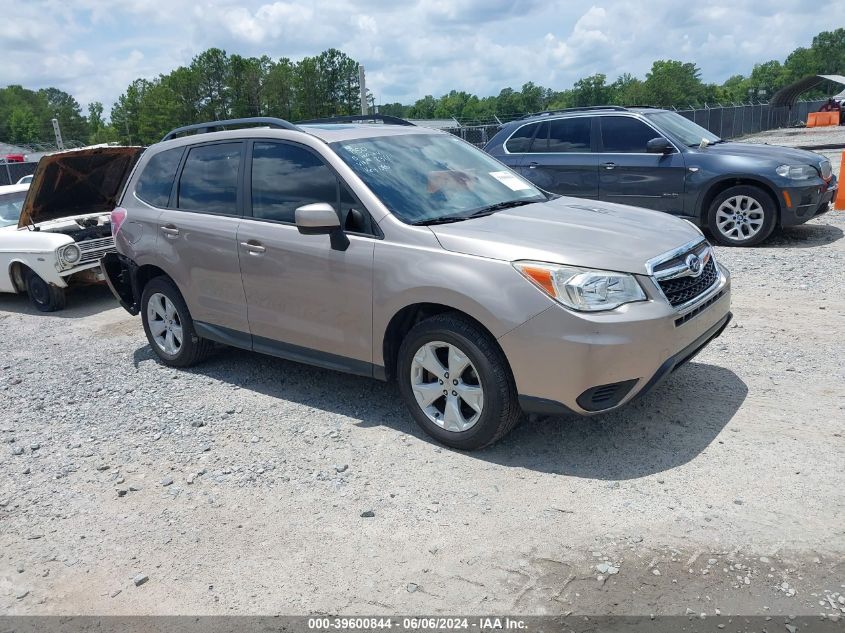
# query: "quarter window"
{"type": "Point", "coordinates": [285, 177]}
{"type": "Point", "coordinates": [209, 181]}
{"type": "Point", "coordinates": [156, 181]}
{"type": "Point", "coordinates": [625, 135]}
{"type": "Point", "coordinates": [565, 135]}
{"type": "Point", "coordinates": [521, 139]}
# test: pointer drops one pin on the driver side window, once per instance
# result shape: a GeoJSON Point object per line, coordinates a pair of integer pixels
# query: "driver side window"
{"type": "Point", "coordinates": [287, 176]}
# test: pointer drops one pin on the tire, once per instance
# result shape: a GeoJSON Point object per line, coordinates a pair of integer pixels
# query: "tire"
{"type": "Point", "coordinates": [755, 210]}
{"type": "Point", "coordinates": [174, 339]}
{"type": "Point", "coordinates": [43, 296]}
{"type": "Point", "coordinates": [486, 368]}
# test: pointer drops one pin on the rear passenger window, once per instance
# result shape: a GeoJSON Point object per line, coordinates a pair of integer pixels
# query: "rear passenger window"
{"type": "Point", "coordinates": [209, 181]}
{"type": "Point", "coordinates": [625, 135]}
{"type": "Point", "coordinates": [520, 141]}
{"type": "Point", "coordinates": [566, 135]}
{"type": "Point", "coordinates": [156, 180]}
{"type": "Point", "coordinates": [285, 177]}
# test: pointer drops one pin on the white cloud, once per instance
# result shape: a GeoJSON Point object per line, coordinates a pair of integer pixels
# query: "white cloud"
{"type": "Point", "coordinates": [94, 48]}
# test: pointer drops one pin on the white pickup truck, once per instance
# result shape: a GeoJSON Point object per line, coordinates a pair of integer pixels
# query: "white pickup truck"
{"type": "Point", "coordinates": [54, 231]}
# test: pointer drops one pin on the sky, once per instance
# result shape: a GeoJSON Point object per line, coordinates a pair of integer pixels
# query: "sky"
{"type": "Point", "coordinates": [93, 49]}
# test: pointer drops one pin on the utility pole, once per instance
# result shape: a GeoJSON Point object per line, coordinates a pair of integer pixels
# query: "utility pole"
{"type": "Point", "coordinates": [362, 83]}
{"type": "Point", "coordinates": [58, 132]}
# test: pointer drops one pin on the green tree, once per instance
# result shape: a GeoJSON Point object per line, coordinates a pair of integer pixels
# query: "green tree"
{"type": "Point", "coordinates": [673, 83]}
{"type": "Point", "coordinates": [23, 126]}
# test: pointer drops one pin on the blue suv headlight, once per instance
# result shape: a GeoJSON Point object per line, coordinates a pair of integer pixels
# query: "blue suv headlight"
{"type": "Point", "coordinates": [797, 172]}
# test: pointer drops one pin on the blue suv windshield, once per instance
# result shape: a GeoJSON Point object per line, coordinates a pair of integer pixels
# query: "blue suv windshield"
{"type": "Point", "coordinates": [684, 130]}
{"type": "Point", "coordinates": [424, 178]}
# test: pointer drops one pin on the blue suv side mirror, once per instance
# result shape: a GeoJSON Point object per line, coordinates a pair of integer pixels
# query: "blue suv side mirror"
{"type": "Point", "coordinates": [659, 145]}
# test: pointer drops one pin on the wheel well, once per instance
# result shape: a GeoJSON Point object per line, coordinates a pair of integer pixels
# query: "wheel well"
{"type": "Point", "coordinates": [145, 273]}
{"type": "Point", "coordinates": [16, 274]}
{"type": "Point", "coordinates": [407, 318]}
{"type": "Point", "coordinates": [720, 186]}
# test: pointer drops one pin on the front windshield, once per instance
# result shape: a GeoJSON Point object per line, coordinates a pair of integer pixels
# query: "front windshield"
{"type": "Point", "coordinates": [10, 207]}
{"type": "Point", "coordinates": [687, 132]}
{"type": "Point", "coordinates": [429, 177]}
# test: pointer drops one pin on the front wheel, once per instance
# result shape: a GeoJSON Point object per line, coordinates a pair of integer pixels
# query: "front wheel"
{"type": "Point", "coordinates": [43, 296]}
{"type": "Point", "coordinates": [456, 382]}
{"type": "Point", "coordinates": [169, 326]}
{"type": "Point", "coordinates": [742, 216]}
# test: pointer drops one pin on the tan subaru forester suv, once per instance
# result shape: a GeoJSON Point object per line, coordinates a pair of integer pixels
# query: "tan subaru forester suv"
{"type": "Point", "coordinates": [403, 253]}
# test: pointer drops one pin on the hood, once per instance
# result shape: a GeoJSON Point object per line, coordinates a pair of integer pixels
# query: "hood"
{"type": "Point", "coordinates": [774, 153]}
{"type": "Point", "coordinates": [78, 182]}
{"type": "Point", "coordinates": [571, 231]}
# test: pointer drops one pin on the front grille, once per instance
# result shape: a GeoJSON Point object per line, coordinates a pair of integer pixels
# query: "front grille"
{"type": "Point", "coordinates": [825, 169]}
{"type": "Point", "coordinates": [92, 250]}
{"type": "Point", "coordinates": [678, 260]}
{"type": "Point", "coordinates": [681, 290]}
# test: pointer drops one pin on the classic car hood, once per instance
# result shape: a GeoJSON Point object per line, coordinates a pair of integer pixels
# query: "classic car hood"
{"type": "Point", "coordinates": [570, 231]}
{"type": "Point", "coordinates": [774, 153]}
{"type": "Point", "coordinates": [78, 182]}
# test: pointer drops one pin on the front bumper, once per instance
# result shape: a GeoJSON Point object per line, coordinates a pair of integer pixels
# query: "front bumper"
{"type": "Point", "coordinates": [591, 363]}
{"type": "Point", "coordinates": [800, 204]}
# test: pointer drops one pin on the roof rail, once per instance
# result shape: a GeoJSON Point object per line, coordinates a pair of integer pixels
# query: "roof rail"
{"type": "Point", "coordinates": [650, 107]}
{"type": "Point", "coordinates": [579, 109]}
{"type": "Point", "coordinates": [362, 118]}
{"type": "Point", "coordinates": [211, 126]}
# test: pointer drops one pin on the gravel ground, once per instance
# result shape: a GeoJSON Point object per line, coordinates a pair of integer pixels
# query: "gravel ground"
{"type": "Point", "coordinates": [245, 485]}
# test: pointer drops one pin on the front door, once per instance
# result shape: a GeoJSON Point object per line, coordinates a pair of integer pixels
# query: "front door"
{"type": "Point", "coordinates": [307, 299]}
{"type": "Point", "coordinates": [628, 174]}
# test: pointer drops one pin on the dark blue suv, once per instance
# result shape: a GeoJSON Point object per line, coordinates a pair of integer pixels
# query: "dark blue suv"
{"type": "Point", "coordinates": [653, 158]}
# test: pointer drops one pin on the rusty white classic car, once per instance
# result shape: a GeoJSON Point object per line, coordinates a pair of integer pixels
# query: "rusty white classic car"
{"type": "Point", "coordinates": [54, 231]}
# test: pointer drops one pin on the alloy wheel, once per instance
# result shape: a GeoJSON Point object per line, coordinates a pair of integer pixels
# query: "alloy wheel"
{"type": "Point", "coordinates": [165, 324]}
{"type": "Point", "coordinates": [740, 218]}
{"type": "Point", "coordinates": [446, 386]}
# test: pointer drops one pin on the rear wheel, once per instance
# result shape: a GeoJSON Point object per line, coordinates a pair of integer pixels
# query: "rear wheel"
{"type": "Point", "coordinates": [45, 297]}
{"type": "Point", "coordinates": [742, 216]}
{"type": "Point", "coordinates": [169, 327]}
{"type": "Point", "coordinates": [456, 382]}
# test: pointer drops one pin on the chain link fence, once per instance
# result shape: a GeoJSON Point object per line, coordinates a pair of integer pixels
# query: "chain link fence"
{"type": "Point", "coordinates": [729, 121]}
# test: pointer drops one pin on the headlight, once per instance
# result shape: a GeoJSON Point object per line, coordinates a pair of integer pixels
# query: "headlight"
{"type": "Point", "coordinates": [69, 254]}
{"type": "Point", "coordinates": [583, 289]}
{"type": "Point", "coordinates": [797, 172]}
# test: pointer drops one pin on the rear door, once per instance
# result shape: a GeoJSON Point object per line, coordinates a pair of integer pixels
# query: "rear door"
{"type": "Point", "coordinates": [308, 299]}
{"type": "Point", "coordinates": [562, 159]}
{"type": "Point", "coordinates": [516, 147]}
{"type": "Point", "coordinates": [197, 234]}
{"type": "Point", "coordinates": [628, 174]}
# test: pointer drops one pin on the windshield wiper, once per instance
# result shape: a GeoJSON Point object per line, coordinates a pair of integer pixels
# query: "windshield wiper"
{"type": "Point", "coordinates": [490, 209]}
{"type": "Point", "coordinates": [499, 206]}
{"type": "Point", "coordinates": [446, 219]}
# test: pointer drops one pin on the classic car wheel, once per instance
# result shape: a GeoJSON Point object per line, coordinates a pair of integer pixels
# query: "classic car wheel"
{"type": "Point", "coordinates": [45, 297]}
{"type": "Point", "coordinates": [456, 382]}
{"type": "Point", "coordinates": [169, 326]}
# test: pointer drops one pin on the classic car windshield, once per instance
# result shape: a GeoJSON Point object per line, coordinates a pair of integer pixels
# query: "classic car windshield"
{"type": "Point", "coordinates": [425, 178]}
{"type": "Point", "coordinates": [10, 207]}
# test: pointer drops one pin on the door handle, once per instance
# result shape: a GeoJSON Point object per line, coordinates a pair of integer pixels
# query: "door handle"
{"type": "Point", "coordinates": [533, 165]}
{"type": "Point", "coordinates": [253, 247]}
{"type": "Point", "coordinates": [170, 230]}
{"type": "Point", "coordinates": [610, 165]}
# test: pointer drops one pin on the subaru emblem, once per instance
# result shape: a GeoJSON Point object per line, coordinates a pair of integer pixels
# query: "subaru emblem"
{"type": "Point", "coordinates": [694, 264]}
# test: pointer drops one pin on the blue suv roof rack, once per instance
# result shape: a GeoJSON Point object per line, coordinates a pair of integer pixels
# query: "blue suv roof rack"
{"type": "Point", "coordinates": [359, 118]}
{"type": "Point", "coordinates": [580, 109]}
{"type": "Point", "coordinates": [212, 126]}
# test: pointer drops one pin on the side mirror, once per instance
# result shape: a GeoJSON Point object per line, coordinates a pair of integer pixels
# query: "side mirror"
{"type": "Point", "coordinates": [659, 145]}
{"type": "Point", "coordinates": [319, 218]}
